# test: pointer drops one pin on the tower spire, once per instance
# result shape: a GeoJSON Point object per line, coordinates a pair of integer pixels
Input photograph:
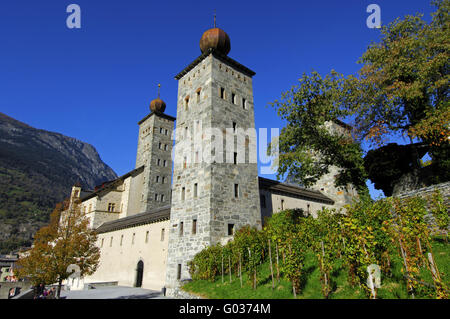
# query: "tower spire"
{"type": "Point", "coordinates": [159, 87]}
{"type": "Point", "coordinates": [214, 18]}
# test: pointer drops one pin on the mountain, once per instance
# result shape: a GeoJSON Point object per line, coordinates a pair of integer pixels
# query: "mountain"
{"type": "Point", "coordinates": [37, 170]}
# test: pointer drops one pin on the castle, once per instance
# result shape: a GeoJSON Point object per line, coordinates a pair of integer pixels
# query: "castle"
{"type": "Point", "coordinates": [153, 220]}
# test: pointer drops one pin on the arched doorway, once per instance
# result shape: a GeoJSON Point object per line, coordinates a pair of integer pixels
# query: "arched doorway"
{"type": "Point", "coordinates": [139, 273]}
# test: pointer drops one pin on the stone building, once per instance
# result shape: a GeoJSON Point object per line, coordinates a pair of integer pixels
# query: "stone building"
{"type": "Point", "coordinates": [149, 226]}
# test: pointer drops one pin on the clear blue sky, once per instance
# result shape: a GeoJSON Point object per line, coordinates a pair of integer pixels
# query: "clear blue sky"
{"type": "Point", "coordinates": [96, 83]}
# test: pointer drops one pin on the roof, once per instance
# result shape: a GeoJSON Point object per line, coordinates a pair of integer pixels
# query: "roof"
{"type": "Point", "coordinates": [218, 55]}
{"type": "Point", "coordinates": [109, 184]}
{"type": "Point", "coordinates": [163, 115]}
{"type": "Point", "coordinates": [151, 216]}
{"type": "Point", "coordinates": [289, 189]}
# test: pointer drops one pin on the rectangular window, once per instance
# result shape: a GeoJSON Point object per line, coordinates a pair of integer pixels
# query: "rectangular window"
{"type": "Point", "coordinates": [162, 234]}
{"type": "Point", "coordinates": [186, 103]}
{"type": "Point", "coordinates": [166, 147]}
{"type": "Point", "coordinates": [162, 197]}
{"type": "Point", "coordinates": [181, 228]}
{"type": "Point", "coordinates": [233, 98]}
{"type": "Point", "coordinates": [157, 179]}
{"type": "Point", "coordinates": [185, 162]}
{"type": "Point", "coordinates": [282, 204]}
{"type": "Point", "coordinates": [146, 237]}
{"type": "Point", "coordinates": [165, 132]}
{"type": "Point", "coordinates": [156, 197]}
{"type": "Point", "coordinates": [159, 162]}
{"type": "Point", "coordinates": [244, 101]}
{"type": "Point", "coordinates": [230, 229]}
{"type": "Point", "coordinates": [236, 190]}
{"type": "Point", "coordinates": [103, 239]}
{"type": "Point", "coordinates": [111, 207]}
{"type": "Point", "coordinates": [194, 227]}
{"type": "Point", "coordinates": [234, 127]}
{"type": "Point", "coordinates": [235, 158]}
{"type": "Point", "coordinates": [308, 209]}
{"type": "Point", "coordinates": [132, 239]}
{"type": "Point", "coordinates": [222, 93]}
{"type": "Point", "coordinates": [198, 96]}
{"type": "Point", "coordinates": [121, 240]}
{"type": "Point", "coordinates": [165, 163]}
{"type": "Point", "coordinates": [183, 193]}
{"type": "Point", "coordinates": [161, 130]}
{"type": "Point", "coordinates": [195, 190]}
{"type": "Point", "coordinates": [179, 272]}
{"type": "Point", "coordinates": [160, 145]}
{"type": "Point", "coordinates": [163, 180]}
{"type": "Point", "coordinates": [110, 242]}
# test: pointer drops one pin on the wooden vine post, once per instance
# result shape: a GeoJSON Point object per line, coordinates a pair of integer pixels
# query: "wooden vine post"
{"type": "Point", "coordinates": [324, 273]}
{"type": "Point", "coordinates": [229, 266]}
{"type": "Point", "coordinates": [222, 265]}
{"type": "Point", "coordinates": [278, 270]}
{"type": "Point", "coordinates": [240, 268]}
{"type": "Point", "coordinates": [271, 266]}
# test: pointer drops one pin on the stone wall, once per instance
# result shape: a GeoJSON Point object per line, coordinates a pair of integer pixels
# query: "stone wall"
{"type": "Point", "coordinates": [426, 192]}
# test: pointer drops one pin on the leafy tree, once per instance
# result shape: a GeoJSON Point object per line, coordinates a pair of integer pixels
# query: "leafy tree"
{"type": "Point", "coordinates": [308, 146]}
{"type": "Point", "coordinates": [401, 90]}
{"type": "Point", "coordinates": [67, 240]}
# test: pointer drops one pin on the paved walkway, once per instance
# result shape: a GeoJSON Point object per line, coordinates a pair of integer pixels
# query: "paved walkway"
{"type": "Point", "coordinates": [114, 292]}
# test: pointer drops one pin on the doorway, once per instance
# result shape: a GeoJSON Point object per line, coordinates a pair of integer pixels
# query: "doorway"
{"type": "Point", "coordinates": [139, 273]}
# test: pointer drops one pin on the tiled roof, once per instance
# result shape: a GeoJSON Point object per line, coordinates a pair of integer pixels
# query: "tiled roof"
{"type": "Point", "coordinates": [219, 56]}
{"type": "Point", "coordinates": [152, 216]}
{"type": "Point", "coordinates": [288, 189]}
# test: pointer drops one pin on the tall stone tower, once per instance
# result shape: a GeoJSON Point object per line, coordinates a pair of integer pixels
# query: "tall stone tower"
{"type": "Point", "coordinates": [154, 152]}
{"type": "Point", "coordinates": [215, 188]}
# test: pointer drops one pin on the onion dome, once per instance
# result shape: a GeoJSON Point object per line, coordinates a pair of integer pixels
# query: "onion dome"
{"type": "Point", "coordinates": [215, 39]}
{"type": "Point", "coordinates": [157, 105]}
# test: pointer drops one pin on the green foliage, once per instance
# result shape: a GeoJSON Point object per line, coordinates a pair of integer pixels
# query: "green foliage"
{"type": "Point", "coordinates": [206, 264]}
{"type": "Point", "coordinates": [390, 233]}
{"type": "Point", "coordinates": [307, 145]}
{"type": "Point", "coordinates": [400, 90]}
{"type": "Point", "coordinates": [439, 211]}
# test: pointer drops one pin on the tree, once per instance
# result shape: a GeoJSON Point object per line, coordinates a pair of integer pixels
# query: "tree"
{"type": "Point", "coordinates": [401, 90]}
{"type": "Point", "coordinates": [67, 240]}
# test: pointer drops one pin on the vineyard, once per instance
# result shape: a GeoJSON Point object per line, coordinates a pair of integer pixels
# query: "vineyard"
{"type": "Point", "coordinates": [381, 249]}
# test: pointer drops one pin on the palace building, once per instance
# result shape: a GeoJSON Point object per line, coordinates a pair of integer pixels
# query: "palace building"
{"type": "Point", "coordinates": [154, 219]}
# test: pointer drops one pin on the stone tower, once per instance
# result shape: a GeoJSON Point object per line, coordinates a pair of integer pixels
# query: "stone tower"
{"type": "Point", "coordinates": [155, 153]}
{"type": "Point", "coordinates": [215, 181]}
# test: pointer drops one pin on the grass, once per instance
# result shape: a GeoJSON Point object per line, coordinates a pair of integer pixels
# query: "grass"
{"type": "Point", "coordinates": [393, 287]}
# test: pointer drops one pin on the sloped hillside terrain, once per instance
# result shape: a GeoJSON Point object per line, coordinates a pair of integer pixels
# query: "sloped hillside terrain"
{"type": "Point", "coordinates": [37, 170]}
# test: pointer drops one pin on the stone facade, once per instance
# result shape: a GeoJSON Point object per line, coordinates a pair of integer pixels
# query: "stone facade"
{"type": "Point", "coordinates": [155, 153]}
{"type": "Point", "coordinates": [211, 194]}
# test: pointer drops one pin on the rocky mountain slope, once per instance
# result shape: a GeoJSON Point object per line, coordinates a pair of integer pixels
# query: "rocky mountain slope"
{"type": "Point", "coordinates": [37, 170]}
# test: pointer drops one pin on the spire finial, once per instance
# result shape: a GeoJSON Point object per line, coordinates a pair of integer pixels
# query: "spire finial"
{"type": "Point", "coordinates": [214, 18]}
{"type": "Point", "coordinates": [159, 87]}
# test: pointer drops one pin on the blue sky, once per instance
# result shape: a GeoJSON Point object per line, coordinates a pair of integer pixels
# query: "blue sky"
{"type": "Point", "coordinates": [96, 83]}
